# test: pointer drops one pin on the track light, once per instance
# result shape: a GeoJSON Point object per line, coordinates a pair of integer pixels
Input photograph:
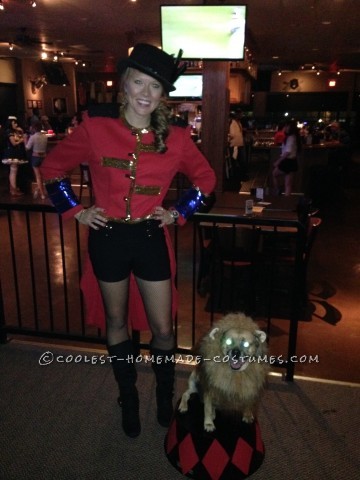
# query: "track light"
{"type": "Point", "coordinates": [11, 46]}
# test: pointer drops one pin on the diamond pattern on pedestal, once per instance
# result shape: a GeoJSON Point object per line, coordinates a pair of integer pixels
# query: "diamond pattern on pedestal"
{"type": "Point", "coordinates": [242, 456]}
{"type": "Point", "coordinates": [187, 454]}
{"type": "Point", "coordinates": [215, 460]}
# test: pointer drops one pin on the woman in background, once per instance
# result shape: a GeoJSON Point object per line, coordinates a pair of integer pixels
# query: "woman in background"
{"type": "Point", "coordinates": [287, 163]}
{"type": "Point", "coordinates": [14, 154]}
{"type": "Point", "coordinates": [37, 142]}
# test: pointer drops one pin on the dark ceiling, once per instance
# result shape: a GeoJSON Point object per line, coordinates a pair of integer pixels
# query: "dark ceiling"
{"type": "Point", "coordinates": [281, 34]}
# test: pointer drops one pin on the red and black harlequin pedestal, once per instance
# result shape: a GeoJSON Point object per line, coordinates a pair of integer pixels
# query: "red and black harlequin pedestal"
{"type": "Point", "coordinates": [233, 451]}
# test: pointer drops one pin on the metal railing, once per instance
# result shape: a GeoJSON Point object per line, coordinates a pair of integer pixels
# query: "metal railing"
{"type": "Point", "coordinates": [41, 259]}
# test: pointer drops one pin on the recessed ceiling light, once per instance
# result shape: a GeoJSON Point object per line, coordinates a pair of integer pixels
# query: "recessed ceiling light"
{"type": "Point", "coordinates": [326, 22]}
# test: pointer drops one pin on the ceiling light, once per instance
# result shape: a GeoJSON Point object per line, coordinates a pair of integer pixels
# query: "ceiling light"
{"type": "Point", "coordinates": [332, 83]}
{"type": "Point", "coordinates": [44, 55]}
{"type": "Point", "coordinates": [2, 5]}
{"type": "Point", "coordinates": [32, 3]}
{"type": "Point", "coordinates": [11, 46]}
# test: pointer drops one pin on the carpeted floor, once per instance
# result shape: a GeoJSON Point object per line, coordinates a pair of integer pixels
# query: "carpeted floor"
{"type": "Point", "coordinates": [61, 421]}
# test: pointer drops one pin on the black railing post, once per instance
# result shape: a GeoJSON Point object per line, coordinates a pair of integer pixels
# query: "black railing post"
{"type": "Point", "coordinates": [3, 335]}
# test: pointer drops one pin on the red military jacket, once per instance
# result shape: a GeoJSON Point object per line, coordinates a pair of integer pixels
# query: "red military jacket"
{"type": "Point", "coordinates": [129, 178]}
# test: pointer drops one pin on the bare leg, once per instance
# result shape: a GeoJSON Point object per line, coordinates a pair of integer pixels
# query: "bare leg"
{"type": "Point", "coordinates": [13, 180]}
{"type": "Point", "coordinates": [39, 182]}
{"type": "Point", "coordinates": [289, 180]}
{"type": "Point", "coordinates": [115, 297]}
{"type": "Point", "coordinates": [276, 174]}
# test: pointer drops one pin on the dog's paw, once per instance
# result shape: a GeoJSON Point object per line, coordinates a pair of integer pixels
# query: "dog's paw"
{"type": "Point", "coordinates": [183, 407]}
{"type": "Point", "coordinates": [248, 418]}
{"type": "Point", "coordinates": [209, 426]}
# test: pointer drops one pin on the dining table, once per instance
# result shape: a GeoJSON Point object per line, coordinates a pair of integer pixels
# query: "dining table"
{"type": "Point", "coordinates": [268, 213]}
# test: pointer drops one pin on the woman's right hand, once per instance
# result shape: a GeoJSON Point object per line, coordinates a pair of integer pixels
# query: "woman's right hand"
{"type": "Point", "coordinates": [92, 217]}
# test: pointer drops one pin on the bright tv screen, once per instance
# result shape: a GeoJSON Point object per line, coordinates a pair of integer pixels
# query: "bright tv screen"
{"type": "Point", "coordinates": [188, 86]}
{"type": "Point", "coordinates": [209, 32]}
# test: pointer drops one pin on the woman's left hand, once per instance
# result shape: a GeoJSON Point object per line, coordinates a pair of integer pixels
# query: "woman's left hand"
{"type": "Point", "coordinates": [163, 215]}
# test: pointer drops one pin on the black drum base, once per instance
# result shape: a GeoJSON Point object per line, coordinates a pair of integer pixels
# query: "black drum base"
{"type": "Point", "coordinates": [233, 451]}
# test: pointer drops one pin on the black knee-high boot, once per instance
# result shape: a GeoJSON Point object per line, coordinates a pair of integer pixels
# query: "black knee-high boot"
{"type": "Point", "coordinates": [125, 375]}
{"type": "Point", "coordinates": [163, 365]}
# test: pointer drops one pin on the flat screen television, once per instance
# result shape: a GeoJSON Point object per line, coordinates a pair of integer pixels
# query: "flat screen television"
{"type": "Point", "coordinates": [188, 86]}
{"type": "Point", "coordinates": [204, 32]}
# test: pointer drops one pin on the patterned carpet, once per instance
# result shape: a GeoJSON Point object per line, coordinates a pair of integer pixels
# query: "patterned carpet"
{"type": "Point", "coordinates": [61, 421]}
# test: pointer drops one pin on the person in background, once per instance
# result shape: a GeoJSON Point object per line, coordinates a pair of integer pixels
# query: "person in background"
{"type": "Point", "coordinates": [287, 163]}
{"type": "Point", "coordinates": [14, 153]}
{"type": "Point", "coordinates": [280, 136]}
{"type": "Point", "coordinates": [337, 133]}
{"type": "Point", "coordinates": [45, 124]}
{"type": "Point", "coordinates": [37, 142]}
{"type": "Point", "coordinates": [236, 142]}
{"type": "Point", "coordinates": [75, 122]}
{"type": "Point", "coordinates": [133, 153]}
{"type": "Point", "coordinates": [34, 118]}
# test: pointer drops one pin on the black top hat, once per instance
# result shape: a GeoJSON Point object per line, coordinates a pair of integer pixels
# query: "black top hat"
{"type": "Point", "coordinates": [154, 62]}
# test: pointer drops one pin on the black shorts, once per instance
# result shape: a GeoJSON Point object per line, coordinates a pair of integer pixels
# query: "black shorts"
{"type": "Point", "coordinates": [288, 165]}
{"type": "Point", "coordinates": [119, 249]}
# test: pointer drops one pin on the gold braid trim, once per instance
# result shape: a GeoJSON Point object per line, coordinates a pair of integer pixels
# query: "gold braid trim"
{"type": "Point", "coordinates": [116, 163]}
{"type": "Point", "coordinates": [147, 189]}
{"type": "Point", "coordinates": [147, 148]}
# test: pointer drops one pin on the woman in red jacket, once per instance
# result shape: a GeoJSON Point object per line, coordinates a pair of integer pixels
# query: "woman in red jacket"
{"type": "Point", "coordinates": [133, 154]}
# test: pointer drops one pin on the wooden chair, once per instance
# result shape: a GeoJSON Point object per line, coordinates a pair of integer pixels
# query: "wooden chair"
{"type": "Point", "coordinates": [278, 261]}
{"type": "Point", "coordinates": [228, 255]}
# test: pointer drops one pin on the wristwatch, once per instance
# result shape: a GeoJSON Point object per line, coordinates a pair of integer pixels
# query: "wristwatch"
{"type": "Point", "coordinates": [175, 214]}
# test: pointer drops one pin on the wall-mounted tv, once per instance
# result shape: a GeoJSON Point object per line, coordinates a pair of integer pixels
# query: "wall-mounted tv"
{"type": "Point", "coordinates": [208, 32]}
{"type": "Point", "coordinates": [188, 86]}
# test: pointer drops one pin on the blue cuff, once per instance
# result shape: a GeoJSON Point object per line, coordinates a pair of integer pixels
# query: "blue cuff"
{"type": "Point", "coordinates": [62, 195]}
{"type": "Point", "coordinates": [190, 202]}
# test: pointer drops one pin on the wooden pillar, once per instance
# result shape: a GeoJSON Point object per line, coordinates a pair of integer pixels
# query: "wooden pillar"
{"type": "Point", "coordinates": [215, 115]}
